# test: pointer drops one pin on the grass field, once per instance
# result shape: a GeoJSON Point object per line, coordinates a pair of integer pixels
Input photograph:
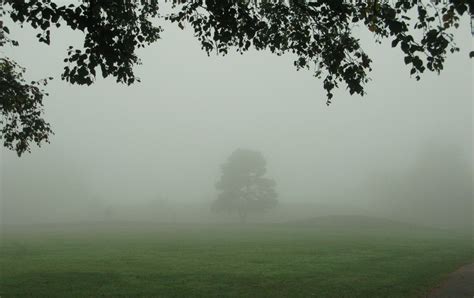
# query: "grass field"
{"type": "Point", "coordinates": [332, 257]}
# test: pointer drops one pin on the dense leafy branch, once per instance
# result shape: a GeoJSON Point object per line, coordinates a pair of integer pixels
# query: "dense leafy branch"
{"type": "Point", "coordinates": [21, 108]}
{"type": "Point", "coordinates": [322, 34]}
{"type": "Point", "coordinates": [113, 30]}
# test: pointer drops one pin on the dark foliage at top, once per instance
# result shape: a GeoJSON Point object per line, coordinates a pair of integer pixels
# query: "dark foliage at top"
{"type": "Point", "coordinates": [322, 34]}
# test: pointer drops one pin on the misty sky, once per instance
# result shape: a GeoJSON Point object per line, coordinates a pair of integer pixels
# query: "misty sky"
{"type": "Point", "coordinates": [167, 136]}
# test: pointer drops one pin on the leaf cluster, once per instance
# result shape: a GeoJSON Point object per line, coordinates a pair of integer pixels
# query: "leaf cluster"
{"type": "Point", "coordinates": [21, 109]}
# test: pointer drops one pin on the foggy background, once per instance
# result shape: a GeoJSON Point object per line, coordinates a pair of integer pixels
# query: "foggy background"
{"type": "Point", "coordinates": [152, 151]}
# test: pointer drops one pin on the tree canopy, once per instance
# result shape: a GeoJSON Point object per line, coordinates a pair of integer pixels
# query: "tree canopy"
{"type": "Point", "coordinates": [321, 34]}
{"type": "Point", "coordinates": [242, 188]}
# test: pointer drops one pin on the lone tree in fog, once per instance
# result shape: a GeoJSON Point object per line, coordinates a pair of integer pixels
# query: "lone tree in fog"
{"type": "Point", "coordinates": [242, 187]}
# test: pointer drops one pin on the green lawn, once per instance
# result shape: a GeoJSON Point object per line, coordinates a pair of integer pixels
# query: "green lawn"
{"type": "Point", "coordinates": [284, 260]}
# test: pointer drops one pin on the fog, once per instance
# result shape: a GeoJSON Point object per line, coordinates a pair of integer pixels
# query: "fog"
{"type": "Point", "coordinates": [152, 151]}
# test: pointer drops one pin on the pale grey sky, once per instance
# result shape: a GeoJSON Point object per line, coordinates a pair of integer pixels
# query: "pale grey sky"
{"type": "Point", "coordinates": [168, 135]}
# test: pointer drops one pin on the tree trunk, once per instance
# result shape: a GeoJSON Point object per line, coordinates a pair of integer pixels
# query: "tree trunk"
{"type": "Point", "coordinates": [243, 216]}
